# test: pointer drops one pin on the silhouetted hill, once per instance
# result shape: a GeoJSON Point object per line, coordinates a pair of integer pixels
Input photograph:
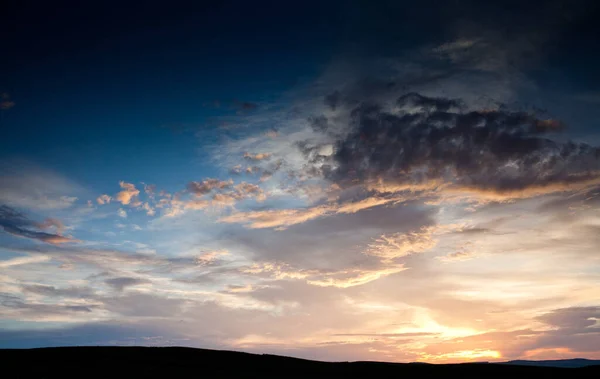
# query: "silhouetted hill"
{"type": "Point", "coordinates": [172, 362]}
{"type": "Point", "coordinates": [570, 363]}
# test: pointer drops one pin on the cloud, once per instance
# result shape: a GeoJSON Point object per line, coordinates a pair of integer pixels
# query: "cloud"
{"type": "Point", "coordinates": [360, 213]}
{"type": "Point", "coordinates": [224, 194]}
{"type": "Point", "coordinates": [208, 185]}
{"type": "Point", "coordinates": [52, 223]}
{"type": "Point", "coordinates": [18, 261]}
{"type": "Point", "coordinates": [272, 133]}
{"type": "Point", "coordinates": [110, 260]}
{"type": "Point", "coordinates": [495, 154]}
{"type": "Point", "coordinates": [245, 190]}
{"type": "Point", "coordinates": [279, 218]}
{"type": "Point", "coordinates": [148, 208]}
{"type": "Point", "coordinates": [334, 251]}
{"type": "Point", "coordinates": [210, 257]}
{"type": "Point", "coordinates": [573, 318]}
{"type": "Point", "coordinates": [103, 199]}
{"type": "Point", "coordinates": [122, 213]}
{"type": "Point", "coordinates": [458, 45]}
{"type": "Point", "coordinates": [128, 193]}
{"type": "Point", "coordinates": [5, 102]}
{"type": "Point", "coordinates": [33, 311]}
{"type": "Point", "coordinates": [150, 189]}
{"type": "Point", "coordinates": [51, 291]}
{"type": "Point", "coordinates": [390, 247]}
{"type": "Point", "coordinates": [144, 305]}
{"type": "Point", "coordinates": [283, 218]}
{"type": "Point", "coordinates": [121, 283]}
{"type": "Point", "coordinates": [24, 185]}
{"type": "Point", "coordinates": [197, 204]}
{"type": "Point", "coordinates": [15, 223]}
{"type": "Point", "coordinates": [246, 106]}
{"type": "Point", "coordinates": [457, 256]}
{"type": "Point", "coordinates": [343, 278]}
{"type": "Point", "coordinates": [236, 170]}
{"type": "Point", "coordinates": [257, 156]}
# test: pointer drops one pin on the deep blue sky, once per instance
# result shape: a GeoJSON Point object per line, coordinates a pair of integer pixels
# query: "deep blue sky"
{"type": "Point", "coordinates": [100, 81]}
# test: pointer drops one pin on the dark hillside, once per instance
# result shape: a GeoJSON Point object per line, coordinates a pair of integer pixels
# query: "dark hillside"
{"type": "Point", "coordinates": [171, 362]}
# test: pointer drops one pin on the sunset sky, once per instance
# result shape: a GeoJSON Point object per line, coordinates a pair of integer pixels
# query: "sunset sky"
{"type": "Point", "coordinates": [334, 180]}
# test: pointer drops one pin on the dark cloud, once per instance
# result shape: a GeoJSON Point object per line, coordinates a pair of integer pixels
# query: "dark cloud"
{"type": "Point", "coordinates": [329, 242]}
{"type": "Point", "coordinates": [15, 223]}
{"type": "Point", "coordinates": [427, 138]}
{"type": "Point", "coordinates": [121, 283]}
{"type": "Point", "coordinates": [5, 101]}
{"type": "Point", "coordinates": [239, 106]}
{"type": "Point", "coordinates": [574, 328]}
{"type": "Point", "coordinates": [574, 318]}
{"type": "Point", "coordinates": [429, 104]}
{"type": "Point", "coordinates": [319, 123]}
{"type": "Point", "coordinates": [51, 291]}
{"type": "Point", "coordinates": [26, 309]}
{"type": "Point", "coordinates": [333, 99]}
{"type": "Point", "coordinates": [142, 305]}
{"type": "Point", "coordinates": [246, 106]}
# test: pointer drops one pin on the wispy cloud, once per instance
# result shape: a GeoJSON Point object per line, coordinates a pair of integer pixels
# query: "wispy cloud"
{"type": "Point", "coordinates": [283, 218]}
{"type": "Point", "coordinates": [18, 261]}
{"type": "Point", "coordinates": [15, 223]}
{"type": "Point", "coordinates": [30, 187]}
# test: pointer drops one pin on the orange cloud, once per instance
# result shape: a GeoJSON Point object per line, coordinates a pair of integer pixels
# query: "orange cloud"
{"type": "Point", "coordinates": [257, 157]}
{"type": "Point", "coordinates": [57, 239]}
{"type": "Point", "coordinates": [210, 257]}
{"type": "Point", "coordinates": [128, 193]}
{"type": "Point", "coordinates": [283, 218]}
{"type": "Point", "coordinates": [279, 218]}
{"type": "Point", "coordinates": [574, 183]}
{"type": "Point", "coordinates": [339, 278]}
{"type": "Point", "coordinates": [398, 245]}
{"type": "Point", "coordinates": [440, 191]}
{"type": "Point", "coordinates": [103, 199]}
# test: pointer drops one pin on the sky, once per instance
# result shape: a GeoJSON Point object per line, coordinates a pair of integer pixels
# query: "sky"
{"type": "Point", "coordinates": [343, 180]}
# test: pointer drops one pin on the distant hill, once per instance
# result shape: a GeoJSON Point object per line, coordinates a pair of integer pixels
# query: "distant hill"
{"type": "Point", "coordinates": [176, 362]}
{"type": "Point", "coordinates": [568, 363]}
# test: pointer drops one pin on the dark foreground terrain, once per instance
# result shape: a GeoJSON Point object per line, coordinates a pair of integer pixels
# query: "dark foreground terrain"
{"type": "Point", "coordinates": [171, 362]}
